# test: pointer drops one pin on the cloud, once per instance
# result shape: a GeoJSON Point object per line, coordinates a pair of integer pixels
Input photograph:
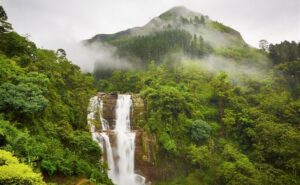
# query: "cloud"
{"type": "Point", "coordinates": [237, 70]}
{"type": "Point", "coordinates": [101, 56]}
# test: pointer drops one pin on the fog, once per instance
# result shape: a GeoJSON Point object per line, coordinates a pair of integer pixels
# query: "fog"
{"type": "Point", "coordinates": [258, 69]}
{"type": "Point", "coordinates": [101, 55]}
{"type": "Point", "coordinates": [237, 70]}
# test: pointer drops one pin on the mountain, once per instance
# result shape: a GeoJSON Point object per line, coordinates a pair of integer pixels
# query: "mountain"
{"type": "Point", "coordinates": [180, 18]}
{"type": "Point", "coordinates": [177, 31]}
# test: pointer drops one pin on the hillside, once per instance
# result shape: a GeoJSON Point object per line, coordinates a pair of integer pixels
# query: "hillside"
{"type": "Point", "coordinates": [43, 108]}
{"type": "Point", "coordinates": [180, 18]}
{"type": "Point", "coordinates": [177, 33]}
{"type": "Point", "coordinates": [217, 113]}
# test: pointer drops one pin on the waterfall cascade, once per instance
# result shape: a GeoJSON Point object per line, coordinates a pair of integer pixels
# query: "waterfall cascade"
{"type": "Point", "coordinates": [120, 159]}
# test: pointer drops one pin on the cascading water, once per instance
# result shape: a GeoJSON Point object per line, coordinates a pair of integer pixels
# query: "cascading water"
{"type": "Point", "coordinates": [120, 159]}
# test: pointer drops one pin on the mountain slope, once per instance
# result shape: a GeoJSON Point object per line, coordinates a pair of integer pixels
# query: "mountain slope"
{"type": "Point", "coordinates": [176, 34]}
{"type": "Point", "coordinates": [181, 18]}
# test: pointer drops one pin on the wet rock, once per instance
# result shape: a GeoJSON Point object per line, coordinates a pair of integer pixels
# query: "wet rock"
{"type": "Point", "coordinates": [109, 108]}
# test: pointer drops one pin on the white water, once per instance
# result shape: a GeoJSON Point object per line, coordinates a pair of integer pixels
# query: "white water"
{"type": "Point", "coordinates": [120, 160]}
{"type": "Point", "coordinates": [109, 154]}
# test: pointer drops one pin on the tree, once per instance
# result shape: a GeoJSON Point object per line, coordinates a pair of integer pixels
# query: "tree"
{"type": "Point", "coordinates": [279, 145]}
{"type": "Point", "coordinates": [236, 168]}
{"type": "Point", "coordinates": [26, 96]}
{"type": "Point", "coordinates": [61, 53]}
{"type": "Point", "coordinates": [197, 20]}
{"type": "Point", "coordinates": [202, 21]}
{"type": "Point", "coordinates": [291, 72]}
{"type": "Point", "coordinates": [4, 26]}
{"type": "Point", "coordinates": [12, 44]}
{"type": "Point", "coordinates": [284, 52]}
{"type": "Point", "coordinates": [22, 98]}
{"type": "Point", "coordinates": [199, 130]}
{"type": "Point", "coordinates": [223, 90]}
{"type": "Point", "coordinates": [264, 45]}
{"type": "Point", "coordinates": [200, 155]}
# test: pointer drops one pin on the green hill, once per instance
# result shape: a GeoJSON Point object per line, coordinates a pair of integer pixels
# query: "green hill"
{"type": "Point", "coordinates": [178, 31]}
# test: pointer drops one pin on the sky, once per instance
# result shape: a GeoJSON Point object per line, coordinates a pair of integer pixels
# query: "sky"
{"type": "Point", "coordinates": [51, 23]}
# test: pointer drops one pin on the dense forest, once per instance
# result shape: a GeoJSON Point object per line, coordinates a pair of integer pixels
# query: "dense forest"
{"type": "Point", "coordinates": [43, 105]}
{"type": "Point", "coordinates": [212, 127]}
{"type": "Point", "coordinates": [221, 131]}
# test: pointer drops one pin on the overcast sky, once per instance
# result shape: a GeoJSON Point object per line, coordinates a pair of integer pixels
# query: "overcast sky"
{"type": "Point", "coordinates": [50, 23]}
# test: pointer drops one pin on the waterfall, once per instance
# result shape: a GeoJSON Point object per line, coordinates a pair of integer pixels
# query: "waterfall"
{"type": "Point", "coordinates": [120, 159]}
{"type": "Point", "coordinates": [109, 156]}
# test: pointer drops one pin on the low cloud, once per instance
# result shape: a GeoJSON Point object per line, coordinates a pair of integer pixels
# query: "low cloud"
{"type": "Point", "coordinates": [99, 55]}
{"type": "Point", "coordinates": [237, 71]}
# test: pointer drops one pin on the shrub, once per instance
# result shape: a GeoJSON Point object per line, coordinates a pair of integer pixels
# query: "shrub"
{"type": "Point", "coordinates": [13, 172]}
{"type": "Point", "coordinates": [199, 130]}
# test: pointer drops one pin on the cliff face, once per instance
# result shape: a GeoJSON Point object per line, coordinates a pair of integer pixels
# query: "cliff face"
{"type": "Point", "coordinates": [109, 107]}
{"type": "Point", "coordinates": [146, 146]}
{"type": "Point", "coordinates": [138, 111]}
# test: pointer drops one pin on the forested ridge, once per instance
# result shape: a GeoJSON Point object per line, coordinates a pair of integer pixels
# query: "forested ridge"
{"type": "Point", "coordinates": [213, 127]}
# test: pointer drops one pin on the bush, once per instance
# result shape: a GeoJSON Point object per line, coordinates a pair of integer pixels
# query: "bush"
{"type": "Point", "coordinates": [13, 172]}
{"type": "Point", "coordinates": [199, 130]}
{"type": "Point", "coordinates": [48, 166]}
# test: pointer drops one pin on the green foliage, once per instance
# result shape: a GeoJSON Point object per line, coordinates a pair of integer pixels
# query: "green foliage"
{"type": "Point", "coordinates": [23, 98]}
{"type": "Point", "coordinates": [291, 73]}
{"type": "Point", "coordinates": [199, 131]}
{"type": "Point", "coordinates": [64, 154]}
{"type": "Point", "coordinates": [121, 81]}
{"type": "Point", "coordinates": [22, 93]}
{"type": "Point", "coordinates": [280, 145]}
{"type": "Point", "coordinates": [168, 101]}
{"type": "Point", "coordinates": [156, 46]}
{"type": "Point", "coordinates": [12, 44]}
{"type": "Point", "coordinates": [167, 142]}
{"type": "Point", "coordinates": [241, 54]}
{"type": "Point", "coordinates": [249, 135]}
{"type": "Point", "coordinates": [236, 168]}
{"type": "Point", "coordinates": [200, 156]}
{"type": "Point", "coordinates": [44, 99]}
{"type": "Point", "coordinates": [223, 28]}
{"type": "Point", "coordinates": [192, 178]}
{"type": "Point", "coordinates": [284, 52]}
{"type": "Point", "coordinates": [13, 172]}
{"type": "Point", "coordinates": [4, 25]}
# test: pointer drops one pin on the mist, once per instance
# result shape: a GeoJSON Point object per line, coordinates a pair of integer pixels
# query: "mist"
{"type": "Point", "coordinates": [99, 55]}
{"type": "Point", "coordinates": [237, 71]}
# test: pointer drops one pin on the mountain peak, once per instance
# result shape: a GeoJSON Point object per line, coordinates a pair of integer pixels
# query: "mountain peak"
{"type": "Point", "coordinates": [178, 11]}
{"type": "Point", "coordinates": [184, 19]}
